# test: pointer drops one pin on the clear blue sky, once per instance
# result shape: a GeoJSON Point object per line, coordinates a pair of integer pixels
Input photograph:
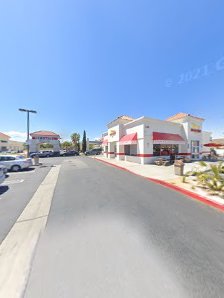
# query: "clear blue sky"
{"type": "Point", "coordinates": [82, 63]}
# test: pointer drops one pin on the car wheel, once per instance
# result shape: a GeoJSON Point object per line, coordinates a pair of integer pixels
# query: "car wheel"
{"type": "Point", "coordinates": [15, 168]}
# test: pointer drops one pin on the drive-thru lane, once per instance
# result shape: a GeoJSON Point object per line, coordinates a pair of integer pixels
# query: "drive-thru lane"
{"type": "Point", "coordinates": [113, 234]}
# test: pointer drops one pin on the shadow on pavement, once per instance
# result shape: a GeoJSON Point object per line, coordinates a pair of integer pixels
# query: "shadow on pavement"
{"type": "Point", "coordinates": [3, 189]}
{"type": "Point", "coordinates": [28, 170]}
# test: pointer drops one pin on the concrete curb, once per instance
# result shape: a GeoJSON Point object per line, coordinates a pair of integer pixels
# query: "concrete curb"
{"type": "Point", "coordinates": [18, 248]}
{"type": "Point", "coordinates": [185, 192]}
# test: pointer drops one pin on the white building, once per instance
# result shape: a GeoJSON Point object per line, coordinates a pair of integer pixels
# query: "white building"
{"type": "Point", "coordinates": [42, 137]}
{"type": "Point", "coordinates": [143, 139]}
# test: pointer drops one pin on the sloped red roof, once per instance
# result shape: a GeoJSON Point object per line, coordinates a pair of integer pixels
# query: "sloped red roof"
{"type": "Point", "coordinates": [2, 135]}
{"type": "Point", "coordinates": [44, 133]}
{"type": "Point", "coordinates": [180, 116]}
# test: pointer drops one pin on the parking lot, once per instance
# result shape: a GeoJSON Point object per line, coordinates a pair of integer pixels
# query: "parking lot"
{"type": "Point", "coordinates": [19, 187]}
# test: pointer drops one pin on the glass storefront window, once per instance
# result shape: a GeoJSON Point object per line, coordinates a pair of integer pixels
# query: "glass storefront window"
{"type": "Point", "coordinates": [130, 150]}
{"type": "Point", "coordinates": [164, 149]}
{"type": "Point", "coordinates": [195, 149]}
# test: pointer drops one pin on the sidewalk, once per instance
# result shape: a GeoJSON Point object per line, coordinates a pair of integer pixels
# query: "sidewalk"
{"type": "Point", "coordinates": [165, 176]}
{"type": "Point", "coordinates": [149, 171]}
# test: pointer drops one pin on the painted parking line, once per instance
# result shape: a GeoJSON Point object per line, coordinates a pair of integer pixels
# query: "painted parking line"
{"type": "Point", "coordinates": [22, 172]}
{"type": "Point", "coordinates": [16, 181]}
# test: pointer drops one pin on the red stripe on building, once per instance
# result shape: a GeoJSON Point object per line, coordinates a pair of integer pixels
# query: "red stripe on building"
{"type": "Point", "coordinates": [144, 155]}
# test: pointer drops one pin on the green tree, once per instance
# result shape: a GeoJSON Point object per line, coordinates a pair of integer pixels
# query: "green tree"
{"type": "Point", "coordinates": [75, 137]}
{"type": "Point", "coordinates": [84, 142]}
{"type": "Point", "coordinates": [46, 146]}
{"type": "Point", "coordinates": [66, 145]}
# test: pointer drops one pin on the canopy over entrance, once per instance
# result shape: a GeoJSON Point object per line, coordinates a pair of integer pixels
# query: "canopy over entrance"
{"type": "Point", "coordinates": [167, 138]}
{"type": "Point", "coordinates": [129, 139]}
{"type": "Point", "coordinates": [105, 141]}
{"type": "Point", "coordinates": [213, 145]}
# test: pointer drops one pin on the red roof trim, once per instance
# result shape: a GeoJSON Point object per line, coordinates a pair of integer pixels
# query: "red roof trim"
{"type": "Point", "coordinates": [44, 133]}
{"type": "Point", "coordinates": [2, 135]}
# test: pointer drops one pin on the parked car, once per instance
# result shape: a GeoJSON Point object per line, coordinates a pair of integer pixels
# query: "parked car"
{"type": "Point", "coordinates": [45, 154]}
{"type": "Point", "coordinates": [69, 153]}
{"type": "Point", "coordinates": [95, 151]}
{"type": "Point", "coordinates": [2, 174]}
{"type": "Point", "coordinates": [4, 168]}
{"type": "Point", "coordinates": [15, 163]}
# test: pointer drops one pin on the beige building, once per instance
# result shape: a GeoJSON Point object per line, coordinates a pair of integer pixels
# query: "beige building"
{"type": "Point", "coordinates": [9, 145]}
{"type": "Point", "coordinates": [4, 142]}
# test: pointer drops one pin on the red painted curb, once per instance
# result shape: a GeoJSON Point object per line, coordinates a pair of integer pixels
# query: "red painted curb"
{"type": "Point", "coordinates": [186, 192]}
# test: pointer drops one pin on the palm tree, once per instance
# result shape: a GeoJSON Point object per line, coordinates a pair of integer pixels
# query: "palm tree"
{"type": "Point", "coordinates": [75, 137]}
{"type": "Point", "coordinates": [66, 145]}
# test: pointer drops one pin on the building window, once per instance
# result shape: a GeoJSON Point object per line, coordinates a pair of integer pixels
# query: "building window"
{"type": "Point", "coordinates": [195, 149]}
{"type": "Point", "coordinates": [164, 149]}
{"type": "Point", "coordinates": [130, 150]}
{"type": "Point", "coordinates": [127, 149]}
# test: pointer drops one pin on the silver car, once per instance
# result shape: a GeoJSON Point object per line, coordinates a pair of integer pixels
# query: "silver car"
{"type": "Point", "coordinates": [15, 163]}
{"type": "Point", "coordinates": [2, 174]}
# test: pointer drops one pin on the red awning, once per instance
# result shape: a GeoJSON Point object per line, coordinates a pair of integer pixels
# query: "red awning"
{"type": "Point", "coordinates": [167, 138]}
{"type": "Point", "coordinates": [105, 141]}
{"type": "Point", "coordinates": [129, 139]}
{"type": "Point", "coordinates": [213, 145]}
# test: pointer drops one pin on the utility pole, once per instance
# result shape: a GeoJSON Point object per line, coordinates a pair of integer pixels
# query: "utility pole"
{"type": "Point", "coordinates": [28, 127]}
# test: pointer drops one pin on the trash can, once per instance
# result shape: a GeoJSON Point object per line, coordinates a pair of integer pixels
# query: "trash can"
{"type": "Point", "coordinates": [36, 160]}
{"type": "Point", "coordinates": [179, 167]}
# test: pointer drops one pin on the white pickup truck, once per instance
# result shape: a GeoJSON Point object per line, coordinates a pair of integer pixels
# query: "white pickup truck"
{"type": "Point", "coordinates": [15, 163]}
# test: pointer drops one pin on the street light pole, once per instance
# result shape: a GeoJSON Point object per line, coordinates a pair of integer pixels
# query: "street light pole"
{"type": "Point", "coordinates": [28, 127]}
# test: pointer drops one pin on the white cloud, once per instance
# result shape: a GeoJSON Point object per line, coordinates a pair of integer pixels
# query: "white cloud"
{"type": "Point", "coordinates": [16, 135]}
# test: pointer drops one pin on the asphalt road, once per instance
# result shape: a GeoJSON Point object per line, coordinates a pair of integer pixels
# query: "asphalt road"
{"type": "Point", "coordinates": [113, 234]}
{"type": "Point", "coordinates": [18, 189]}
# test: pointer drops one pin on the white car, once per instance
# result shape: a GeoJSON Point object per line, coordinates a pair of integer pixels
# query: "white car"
{"type": "Point", "coordinates": [15, 163]}
{"type": "Point", "coordinates": [2, 174]}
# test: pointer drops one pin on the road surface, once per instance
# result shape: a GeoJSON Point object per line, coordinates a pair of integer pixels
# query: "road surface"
{"type": "Point", "coordinates": [113, 234]}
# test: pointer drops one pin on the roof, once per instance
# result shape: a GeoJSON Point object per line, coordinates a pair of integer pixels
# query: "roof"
{"type": "Point", "coordinates": [123, 117]}
{"type": "Point", "coordinates": [45, 133]}
{"type": "Point", "coordinates": [2, 135]}
{"type": "Point", "coordinates": [181, 116]}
